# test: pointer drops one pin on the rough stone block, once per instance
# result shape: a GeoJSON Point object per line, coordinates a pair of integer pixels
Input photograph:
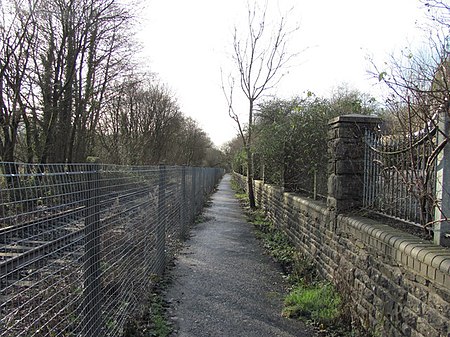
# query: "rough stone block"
{"type": "Point", "coordinates": [411, 262]}
{"type": "Point", "coordinates": [343, 187]}
{"type": "Point", "coordinates": [436, 320]}
{"type": "Point", "coordinates": [404, 259]}
{"type": "Point", "coordinates": [344, 149]}
{"type": "Point", "coordinates": [440, 277]}
{"type": "Point", "coordinates": [414, 304]}
{"type": "Point", "coordinates": [343, 131]}
{"type": "Point", "coordinates": [417, 265]}
{"type": "Point", "coordinates": [415, 333]}
{"type": "Point", "coordinates": [425, 328]}
{"type": "Point", "coordinates": [420, 292]}
{"type": "Point", "coordinates": [406, 329]}
{"type": "Point", "coordinates": [438, 303]}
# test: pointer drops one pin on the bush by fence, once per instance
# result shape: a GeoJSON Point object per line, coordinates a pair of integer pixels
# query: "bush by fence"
{"type": "Point", "coordinates": [79, 244]}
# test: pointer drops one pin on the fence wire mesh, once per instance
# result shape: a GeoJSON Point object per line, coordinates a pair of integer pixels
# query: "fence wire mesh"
{"type": "Point", "coordinates": [400, 177]}
{"type": "Point", "coordinates": [80, 244]}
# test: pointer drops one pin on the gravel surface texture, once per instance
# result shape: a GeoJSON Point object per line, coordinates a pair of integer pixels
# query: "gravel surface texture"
{"type": "Point", "coordinates": [223, 284]}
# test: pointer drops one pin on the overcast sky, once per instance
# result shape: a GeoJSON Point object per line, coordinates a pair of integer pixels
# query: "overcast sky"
{"type": "Point", "coordinates": [187, 42]}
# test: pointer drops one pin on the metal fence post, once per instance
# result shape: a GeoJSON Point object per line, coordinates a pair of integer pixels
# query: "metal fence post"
{"type": "Point", "coordinates": [200, 183]}
{"type": "Point", "coordinates": [161, 225]}
{"type": "Point", "coordinates": [193, 191]}
{"type": "Point", "coordinates": [203, 188]}
{"type": "Point", "coordinates": [183, 222]}
{"type": "Point", "coordinates": [91, 267]}
{"type": "Point", "coordinates": [441, 227]}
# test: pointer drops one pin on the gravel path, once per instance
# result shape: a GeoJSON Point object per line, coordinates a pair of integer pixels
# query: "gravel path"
{"type": "Point", "coordinates": [223, 284]}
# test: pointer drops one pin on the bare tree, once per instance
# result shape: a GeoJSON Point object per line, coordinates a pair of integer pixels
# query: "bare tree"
{"type": "Point", "coordinates": [69, 89]}
{"type": "Point", "coordinates": [438, 12]}
{"type": "Point", "coordinates": [142, 124]}
{"type": "Point", "coordinates": [80, 47]}
{"type": "Point", "coordinates": [194, 146]}
{"type": "Point", "coordinates": [260, 58]}
{"type": "Point", "coordinates": [17, 30]}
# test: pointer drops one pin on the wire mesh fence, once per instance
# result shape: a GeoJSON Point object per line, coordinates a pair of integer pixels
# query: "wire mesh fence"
{"type": "Point", "coordinates": [80, 243]}
{"type": "Point", "coordinates": [400, 177]}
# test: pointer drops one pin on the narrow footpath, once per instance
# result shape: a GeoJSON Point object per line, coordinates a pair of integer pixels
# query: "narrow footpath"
{"type": "Point", "coordinates": [223, 284]}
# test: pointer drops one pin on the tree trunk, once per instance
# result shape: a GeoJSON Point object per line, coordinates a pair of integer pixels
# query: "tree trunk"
{"type": "Point", "coordinates": [250, 191]}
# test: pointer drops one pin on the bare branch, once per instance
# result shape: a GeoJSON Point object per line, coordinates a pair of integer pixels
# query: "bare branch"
{"type": "Point", "coordinates": [260, 58]}
{"type": "Point", "coordinates": [229, 99]}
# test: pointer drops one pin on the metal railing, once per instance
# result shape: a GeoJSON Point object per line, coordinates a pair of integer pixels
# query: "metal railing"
{"type": "Point", "coordinates": [305, 178]}
{"type": "Point", "coordinates": [79, 243]}
{"type": "Point", "coordinates": [400, 177]}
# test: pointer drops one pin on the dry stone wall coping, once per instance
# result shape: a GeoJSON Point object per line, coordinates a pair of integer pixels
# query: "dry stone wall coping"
{"type": "Point", "coordinates": [415, 249]}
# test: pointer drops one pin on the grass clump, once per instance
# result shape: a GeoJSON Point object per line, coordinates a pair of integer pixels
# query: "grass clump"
{"type": "Point", "coordinates": [159, 327]}
{"type": "Point", "coordinates": [318, 302]}
{"type": "Point", "coordinates": [153, 321]}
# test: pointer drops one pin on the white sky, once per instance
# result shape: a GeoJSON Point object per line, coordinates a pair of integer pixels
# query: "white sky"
{"type": "Point", "coordinates": [187, 42]}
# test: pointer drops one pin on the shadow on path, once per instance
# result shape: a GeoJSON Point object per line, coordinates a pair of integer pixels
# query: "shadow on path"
{"type": "Point", "coordinates": [223, 284]}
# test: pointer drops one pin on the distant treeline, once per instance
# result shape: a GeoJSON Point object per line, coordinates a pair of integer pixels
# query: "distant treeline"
{"type": "Point", "coordinates": [70, 88]}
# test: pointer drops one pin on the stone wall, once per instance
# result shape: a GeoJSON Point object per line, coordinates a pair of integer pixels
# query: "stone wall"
{"type": "Point", "coordinates": [397, 284]}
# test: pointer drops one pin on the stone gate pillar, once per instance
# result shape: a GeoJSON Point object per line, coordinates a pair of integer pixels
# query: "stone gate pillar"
{"type": "Point", "coordinates": [346, 160]}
